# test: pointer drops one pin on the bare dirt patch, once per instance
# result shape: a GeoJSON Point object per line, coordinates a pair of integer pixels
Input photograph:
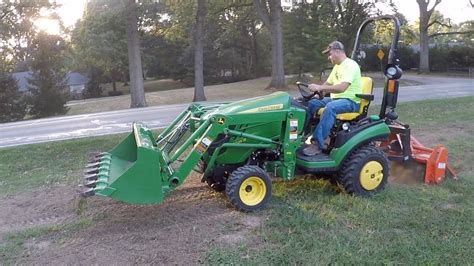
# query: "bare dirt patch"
{"type": "Point", "coordinates": [41, 207]}
{"type": "Point", "coordinates": [179, 231]}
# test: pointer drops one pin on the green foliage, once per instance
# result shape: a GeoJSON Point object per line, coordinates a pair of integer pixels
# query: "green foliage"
{"type": "Point", "coordinates": [305, 36]}
{"type": "Point", "coordinates": [310, 27]}
{"type": "Point", "coordinates": [48, 82]}
{"type": "Point", "coordinates": [99, 40]}
{"type": "Point", "coordinates": [93, 88]}
{"type": "Point", "coordinates": [443, 58]}
{"type": "Point", "coordinates": [17, 29]}
{"type": "Point", "coordinates": [345, 17]}
{"type": "Point", "coordinates": [12, 102]}
{"type": "Point", "coordinates": [235, 47]}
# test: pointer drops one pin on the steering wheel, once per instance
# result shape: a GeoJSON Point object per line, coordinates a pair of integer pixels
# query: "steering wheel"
{"type": "Point", "coordinates": [306, 93]}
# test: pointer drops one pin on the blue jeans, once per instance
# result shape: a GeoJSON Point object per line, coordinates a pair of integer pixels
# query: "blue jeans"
{"type": "Point", "coordinates": [327, 119]}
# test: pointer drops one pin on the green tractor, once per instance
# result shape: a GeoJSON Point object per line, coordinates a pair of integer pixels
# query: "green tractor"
{"type": "Point", "coordinates": [235, 145]}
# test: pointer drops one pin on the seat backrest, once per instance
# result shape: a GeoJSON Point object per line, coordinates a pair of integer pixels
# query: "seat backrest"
{"type": "Point", "coordinates": [367, 85]}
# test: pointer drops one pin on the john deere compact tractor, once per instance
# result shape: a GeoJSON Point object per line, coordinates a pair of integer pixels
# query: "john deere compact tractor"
{"type": "Point", "coordinates": [236, 145]}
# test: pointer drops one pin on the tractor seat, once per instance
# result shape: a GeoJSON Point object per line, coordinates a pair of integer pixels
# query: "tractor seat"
{"type": "Point", "coordinates": [366, 96]}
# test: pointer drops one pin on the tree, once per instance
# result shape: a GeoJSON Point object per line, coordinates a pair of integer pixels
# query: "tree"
{"type": "Point", "coordinates": [99, 40]}
{"type": "Point", "coordinates": [199, 51]}
{"type": "Point", "coordinates": [306, 34]}
{"type": "Point", "coordinates": [17, 30]}
{"type": "Point", "coordinates": [48, 82]}
{"type": "Point", "coordinates": [12, 103]}
{"type": "Point", "coordinates": [270, 13]}
{"type": "Point", "coordinates": [426, 21]}
{"type": "Point", "coordinates": [137, 90]}
{"type": "Point", "coordinates": [93, 88]}
{"type": "Point", "coordinates": [346, 17]}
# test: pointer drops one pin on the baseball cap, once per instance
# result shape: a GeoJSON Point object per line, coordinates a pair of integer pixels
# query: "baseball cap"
{"type": "Point", "coordinates": [335, 45]}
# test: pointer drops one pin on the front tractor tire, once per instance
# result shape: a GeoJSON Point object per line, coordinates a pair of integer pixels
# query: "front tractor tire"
{"type": "Point", "coordinates": [249, 188]}
{"type": "Point", "coordinates": [365, 172]}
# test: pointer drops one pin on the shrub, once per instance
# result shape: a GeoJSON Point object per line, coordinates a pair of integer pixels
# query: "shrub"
{"type": "Point", "coordinates": [12, 103]}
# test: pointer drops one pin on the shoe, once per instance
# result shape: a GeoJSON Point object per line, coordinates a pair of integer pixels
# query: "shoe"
{"type": "Point", "coordinates": [311, 150]}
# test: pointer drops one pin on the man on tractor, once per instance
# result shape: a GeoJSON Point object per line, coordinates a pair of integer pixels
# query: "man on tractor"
{"type": "Point", "coordinates": [343, 84]}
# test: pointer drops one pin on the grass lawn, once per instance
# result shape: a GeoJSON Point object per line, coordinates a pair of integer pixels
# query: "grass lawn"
{"type": "Point", "coordinates": [309, 221]}
{"type": "Point", "coordinates": [42, 165]}
{"type": "Point", "coordinates": [150, 85]}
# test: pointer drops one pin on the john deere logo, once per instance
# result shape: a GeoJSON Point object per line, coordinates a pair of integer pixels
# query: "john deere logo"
{"type": "Point", "coordinates": [264, 109]}
{"type": "Point", "coordinates": [220, 121]}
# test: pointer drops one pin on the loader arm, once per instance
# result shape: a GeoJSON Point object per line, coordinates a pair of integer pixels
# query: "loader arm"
{"type": "Point", "coordinates": [143, 170]}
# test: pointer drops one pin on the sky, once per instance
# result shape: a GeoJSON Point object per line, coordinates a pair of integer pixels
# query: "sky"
{"type": "Point", "coordinates": [457, 10]}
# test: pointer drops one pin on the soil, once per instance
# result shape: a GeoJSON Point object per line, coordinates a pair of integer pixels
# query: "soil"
{"type": "Point", "coordinates": [179, 231]}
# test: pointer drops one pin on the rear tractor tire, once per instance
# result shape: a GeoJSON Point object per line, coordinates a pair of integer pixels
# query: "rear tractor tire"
{"type": "Point", "coordinates": [365, 172]}
{"type": "Point", "coordinates": [249, 188]}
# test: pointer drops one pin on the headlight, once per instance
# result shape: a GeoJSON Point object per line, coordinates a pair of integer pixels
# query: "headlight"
{"type": "Point", "coordinates": [392, 71]}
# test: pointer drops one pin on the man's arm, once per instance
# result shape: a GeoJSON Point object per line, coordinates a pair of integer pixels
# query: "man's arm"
{"type": "Point", "coordinates": [341, 87]}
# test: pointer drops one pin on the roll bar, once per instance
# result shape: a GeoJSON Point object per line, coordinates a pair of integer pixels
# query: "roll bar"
{"type": "Point", "coordinates": [392, 56]}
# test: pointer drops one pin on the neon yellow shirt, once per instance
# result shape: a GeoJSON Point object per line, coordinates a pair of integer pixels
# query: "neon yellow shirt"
{"type": "Point", "coordinates": [347, 71]}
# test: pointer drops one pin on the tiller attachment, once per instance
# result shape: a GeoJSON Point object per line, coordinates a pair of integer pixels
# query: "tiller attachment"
{"type": "Point", "coordinates": [403, 147]}
{"type": "Point", "coordinates": [436, 161]}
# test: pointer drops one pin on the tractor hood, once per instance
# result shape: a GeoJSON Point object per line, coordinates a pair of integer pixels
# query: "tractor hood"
{"type": "Point", "coordinates": [272, 102]}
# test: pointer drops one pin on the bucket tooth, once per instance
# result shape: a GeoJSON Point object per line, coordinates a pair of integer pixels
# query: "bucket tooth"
{"type": "Point", "coordinates": [98, 154]}
{"type": "Point", "coordinates": [89, 192]}
{"type": "Point", "coordinates": [91, 184]}
{"type": "Point", "coordinates": [89, 171]}
{"type": "Point", "coordinates": [93, 164]}
{"type": "Point", "coordinates": [94, 160]}
{"type": "Point", "coordinates": [97, 157]}
{"type": "Point", "coordinates": [90, 177]}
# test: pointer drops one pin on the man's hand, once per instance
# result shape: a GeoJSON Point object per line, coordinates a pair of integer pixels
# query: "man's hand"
{"type": "Point", "coordinates": [315, 87]}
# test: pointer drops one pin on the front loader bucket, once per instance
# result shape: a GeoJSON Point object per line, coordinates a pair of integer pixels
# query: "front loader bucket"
{"type": "Point", "coordinates": [130, 172]}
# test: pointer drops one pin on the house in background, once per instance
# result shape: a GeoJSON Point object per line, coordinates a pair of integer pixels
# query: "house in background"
{"type": "Point", "coordinates": [76, 82]}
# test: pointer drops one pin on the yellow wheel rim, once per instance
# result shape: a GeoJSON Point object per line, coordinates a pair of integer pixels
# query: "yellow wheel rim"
{"type": "Point", "coordinates": [252, 191]}
{"type": "Point", "coordinates": [371, 175]}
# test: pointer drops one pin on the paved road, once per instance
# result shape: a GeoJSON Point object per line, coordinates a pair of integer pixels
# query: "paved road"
{"type": "Point", "coordinates": [69, 127]}
{"type": "Point", "coordinates": [78, 126]}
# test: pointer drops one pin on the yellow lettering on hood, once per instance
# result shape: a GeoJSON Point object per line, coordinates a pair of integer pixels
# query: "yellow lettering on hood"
{"type": "Point", "coordinates": [263, 109]}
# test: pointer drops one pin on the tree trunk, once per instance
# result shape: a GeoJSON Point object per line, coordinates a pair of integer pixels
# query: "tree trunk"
{"type": "Point", "coordinates": [137, 90]}
{"type": "Point", "coordinates": [278, 72]}
{"type": "Point", "coordinates": [424, 66]}
{"type": "Point", "coordinates": [256, 61]}
{"type": "Point", "coordinates": [425, 15]}
{"type": "Point", "coordinates": [272, 20]}
{"type": "Point", "coordinates": [199, 52]}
